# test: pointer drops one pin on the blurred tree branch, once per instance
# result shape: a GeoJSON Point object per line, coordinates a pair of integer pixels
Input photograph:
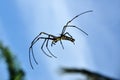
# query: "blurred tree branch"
{"type": "Point", "coordinates": [90, 75]}
{"type": "Point", "coordinates": [15, 73]}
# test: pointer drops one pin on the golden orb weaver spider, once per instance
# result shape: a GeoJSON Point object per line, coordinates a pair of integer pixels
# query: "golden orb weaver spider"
{"type": "Point", "coordinates": [63, 36]}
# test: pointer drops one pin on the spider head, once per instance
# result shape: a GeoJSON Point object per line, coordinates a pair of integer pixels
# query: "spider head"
{"type": "Point", "coordinates": [72, 40]}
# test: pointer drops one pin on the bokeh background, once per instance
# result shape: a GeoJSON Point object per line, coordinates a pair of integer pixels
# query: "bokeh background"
{"type": "Point", "coordinates": [22, 20]}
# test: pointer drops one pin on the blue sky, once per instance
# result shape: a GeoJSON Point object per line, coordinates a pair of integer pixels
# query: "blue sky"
{"type": "Point", "coordinates": [22, 20]}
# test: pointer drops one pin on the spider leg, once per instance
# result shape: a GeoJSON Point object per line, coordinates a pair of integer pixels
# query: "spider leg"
{"type": "Point", "coordinates": [68, 34]}
{"type": "Point", "coordinates": [78, 16]}
{"type": "Point", "coordinates": [48, 48]}
{"type": "Point", "coordinates": [34, 57]}
{"type": "Point", "coordinates": [43, 49]}
{"type": "Point", "coordinates": [30, 59]}
{"type": "Point", "coordinates": [33, 42]}
{"type": "Point", "coordinates": [31, 49]}
{"type": "Point", "coordinates": [78, 29]}
{"type": "Point", "coordinates": [61, 44]}
{"type": "Point", "coordinates": [66, 25]}
{"type": "Point", "coordinates": [38, 36]}
{"type": "Point", "coordinates": [47, 34]}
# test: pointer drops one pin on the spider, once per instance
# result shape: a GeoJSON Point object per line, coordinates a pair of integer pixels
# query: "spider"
{"type": "Point", "coordinates": [63, 36]}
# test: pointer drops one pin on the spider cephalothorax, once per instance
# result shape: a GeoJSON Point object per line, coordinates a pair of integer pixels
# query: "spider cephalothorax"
{"type": "Point", "coordinates": [63, 36]}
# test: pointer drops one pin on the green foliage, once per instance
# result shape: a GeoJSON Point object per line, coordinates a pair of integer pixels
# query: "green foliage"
{"type": "Point", "coordinates": [90, 75]}
{"type": "Point", "coordinates": [15, 73]}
